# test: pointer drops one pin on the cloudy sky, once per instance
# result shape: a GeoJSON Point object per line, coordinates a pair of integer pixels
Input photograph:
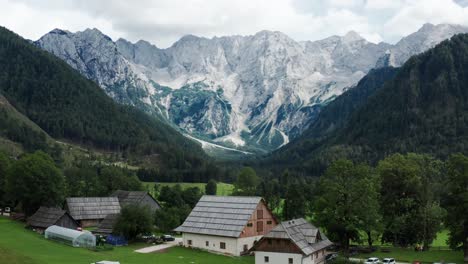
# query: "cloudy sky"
{"type": "Point", "coordinates": [164, 21]}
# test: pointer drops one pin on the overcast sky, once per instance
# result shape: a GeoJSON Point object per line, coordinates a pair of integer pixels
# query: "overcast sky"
{"type": "Point", "coordinates": [164, 21]}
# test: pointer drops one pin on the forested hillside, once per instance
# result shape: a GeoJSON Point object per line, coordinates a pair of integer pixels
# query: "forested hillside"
{"type": "Point", "coordinates": [68, 106]}
{"type": "Point", "coordinates": [422, 109]}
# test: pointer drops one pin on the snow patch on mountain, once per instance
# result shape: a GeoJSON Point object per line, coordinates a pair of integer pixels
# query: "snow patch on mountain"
{"type": "Point", "coordinates": [247, 92]}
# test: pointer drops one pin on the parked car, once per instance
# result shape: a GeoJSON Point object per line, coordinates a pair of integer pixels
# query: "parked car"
{"type": "Point", "coordinates": [372, 261]}
{"type": "Point", "coordinates": [166, 238]}
{"type": "Point", "coordinates": [331, 256]}
{"type": "Point", "coordinates": [148, 236]}
{"type": "Point", "coordinates": [388, 261]}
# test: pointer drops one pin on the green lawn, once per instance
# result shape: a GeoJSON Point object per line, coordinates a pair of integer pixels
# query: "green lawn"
{"type": "Point", "coordinates": [19, 245]}
{"type": "Point", "coordinates": [438, 252]}
{"type": "Point", "coordinates": [409, 255]}
{"type": "Point", "coordinates": [222, 188]}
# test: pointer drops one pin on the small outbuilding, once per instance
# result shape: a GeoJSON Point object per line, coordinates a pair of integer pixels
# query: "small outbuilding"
{"type": "Point", "coordinates": [49, 216]}
{"type": "Point", "coordinates": [90, 211]}
{"type": "Point", "coordinates": [137, 198]}
{"type": "Point", "coordinates": [70, 237]}
{"type": "Point", "coordinates": [292, 242]}
{"type": "Point", "coordinates": [106, 227]}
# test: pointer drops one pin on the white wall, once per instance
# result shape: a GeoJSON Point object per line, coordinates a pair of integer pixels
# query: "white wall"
{"type": "Point", "coordinates": [234, 246]}
{"type": "Point", "coordinates": [281, 258]}
{"type": "Point", "coordinates": [199, 241]}
{"type": "Point", "coordinates": [249, 241]}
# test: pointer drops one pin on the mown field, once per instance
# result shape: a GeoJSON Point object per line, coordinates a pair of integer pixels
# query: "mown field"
{"type": "Point", "coordinates": [439, 252]}
{"type": "Point", "coordinates": [21, 246]}
{"type": "Point", "coordinates": [222, 188]}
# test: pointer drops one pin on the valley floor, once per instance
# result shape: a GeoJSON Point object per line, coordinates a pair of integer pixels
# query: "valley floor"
{"type": "Point", "coordinates": [21, 246]}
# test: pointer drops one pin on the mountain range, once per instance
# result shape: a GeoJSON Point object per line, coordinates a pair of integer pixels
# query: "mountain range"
{"type": "Point", "coordinates": [254, 93]}
{"type": "Point", "coordinates": [42, 97]}
{"type": "Point", "coordinates": [420, 107]}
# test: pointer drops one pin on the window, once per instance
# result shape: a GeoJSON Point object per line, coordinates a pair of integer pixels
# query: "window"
{"type": "Point", "coordinates": [290, 261]}
{"type": "Point", "coordinates": [222, 245]}
{"type": "Point", "coordinates": [246, 247]}
{"type": "Point", "coordinates": [316, 254]}
{"type": "Point", "coordinates": [259, 214]}
{"type": "Point", "coordinates": [249, 224]}
{"type": "Point", "coordinates": [207, 243]}
{"type": "Point", "coordinates": [267, 259]}
{"type": "Point", "coordinates": [259, 226]}
{"type": "Point", "coordinates": [269, 222]}
{"type": "Point", "coordinates": [189, 242]}
{"type": "Point", "coordinates": [269, 241]}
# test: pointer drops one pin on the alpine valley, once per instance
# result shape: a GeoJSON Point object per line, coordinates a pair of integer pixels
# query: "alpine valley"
{"type": "Point", "coordinates": [250, 93]}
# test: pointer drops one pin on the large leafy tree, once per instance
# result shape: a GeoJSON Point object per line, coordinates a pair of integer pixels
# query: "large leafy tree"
{"type": "Point", "coordinates": [345, 200]}
{"type": "Point", "coordinates": [457, 202]}
{"type": "Point", "coordinates": [133, 221]}
{"type": "Point", "coordinates": [211, 187]}
{"type": "Point", "coordinates": [34, 180]}
{"type": "Point", "coordinates": [246, 183]}
{"type": "Point", "coordinates": [4, 164]}
{"type": "Point", "coordinates": [411, 211]}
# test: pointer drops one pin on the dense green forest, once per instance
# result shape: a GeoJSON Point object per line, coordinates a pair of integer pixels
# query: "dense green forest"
{"type": "Point", "coordinates": [67, 106]}
{"type": "Point", "coordinates": [422, 109]}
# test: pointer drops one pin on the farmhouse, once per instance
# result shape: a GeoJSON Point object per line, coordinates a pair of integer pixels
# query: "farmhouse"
{"type": "Point", "coordinates": [292, 242]}
{"type": "Point", "coordinates": [49, 216]}
{"type": "Point", "coordinates": [137, 198]}
{"type": "Point", "coordinates": [89, 211]}
{"type": "Point", "coordinates": [227, 224]}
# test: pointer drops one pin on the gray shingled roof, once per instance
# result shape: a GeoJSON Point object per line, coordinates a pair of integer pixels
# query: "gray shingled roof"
{"type": "Point", "coordinates": [301, 233]}
{"type": "Point", "coordinates": [132, 197]}
{"type": "Point", "coordinates": [220, 215]}
{"type": "Point", "coordinates": [45, 217]}
{"type": "Point", "coordinates": [92, 207]}
{"type": "Point", "coordinates": [107, 225]}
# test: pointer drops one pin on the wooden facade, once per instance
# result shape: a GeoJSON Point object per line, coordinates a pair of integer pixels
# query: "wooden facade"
{"type": "Point", "coordinates": [260, 223]}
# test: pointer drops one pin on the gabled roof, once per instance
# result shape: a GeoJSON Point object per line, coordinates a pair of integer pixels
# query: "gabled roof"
{"type": "Point", "coordinates": [132, 197]}
{"type": "Point", "coordinates": [45, 217]}
{"type": "Point", "coordinates": [303, 234]}
{"type": "Point", "coordinates": [220, 215]}
{"type": "Point", "coordinates": [107, 225]}
{"type": "Point", "coordinates": [92, 207]}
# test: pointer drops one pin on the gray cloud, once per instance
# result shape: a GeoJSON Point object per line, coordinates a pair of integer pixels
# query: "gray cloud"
{"type": "Point", "coordinates": [164, 21]}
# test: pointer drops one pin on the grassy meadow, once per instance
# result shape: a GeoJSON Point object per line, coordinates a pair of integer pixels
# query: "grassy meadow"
{"type": "Point", "coordinates": [222, 188]}
{"type": "Point", "coordinates": [21, 246]}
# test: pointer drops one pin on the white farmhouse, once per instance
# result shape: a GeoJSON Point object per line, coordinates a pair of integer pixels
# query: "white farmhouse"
{"type": "Point", "coordinates": [292, 242]}
{"type": "Point", "coordinates": [227, 224]}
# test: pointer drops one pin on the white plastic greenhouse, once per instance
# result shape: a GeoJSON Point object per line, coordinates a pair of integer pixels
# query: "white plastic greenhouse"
{"type": "Point", "coordinates": [70, 237]}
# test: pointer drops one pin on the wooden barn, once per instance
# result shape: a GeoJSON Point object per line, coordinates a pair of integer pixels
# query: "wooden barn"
{"type": "Point", "coordinates": [292, 242]}
{"type": "Point", "coordinates": [137, 198]}
{"type": "Point", "coordinates": [106, 227]}
{"type": "Point", "coordinates": [227, 224]}
{"type": "Point", "coordinates": [49, 216]}
{"type": "Point", "coordinates": [90, 211]}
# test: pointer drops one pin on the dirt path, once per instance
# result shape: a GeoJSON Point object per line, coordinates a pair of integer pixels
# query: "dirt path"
{"type": "Point", "coordinates": [166, 245]}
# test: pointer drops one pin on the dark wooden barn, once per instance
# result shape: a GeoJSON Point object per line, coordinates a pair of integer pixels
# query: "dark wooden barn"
{"type": "Point", "coordinates": [106, 227]}
{"type": "Point", "coordinates": [137, 198]}
{"type": "Point", "coordinates": [90, 211]}
{"type": "Point", "coordinates": [49, 216]}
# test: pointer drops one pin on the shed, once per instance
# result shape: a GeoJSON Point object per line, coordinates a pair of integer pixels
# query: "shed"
{"type": "Point", "coordinates": [106, 226]}
{"type": "Point", "coordinates": [49, 216]}
{"type": "Point", "coordinates": [89, 211]}
{"type": "Point", "coordinates": [70, 237]}
{"type": "Point", "coordinates": [137, 198]}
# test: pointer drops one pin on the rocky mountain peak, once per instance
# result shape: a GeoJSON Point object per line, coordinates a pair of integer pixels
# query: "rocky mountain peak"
{"type": "Point", "coordinates": [352, 36]}
{"type": "Point", "coordinates": [253, 92]}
